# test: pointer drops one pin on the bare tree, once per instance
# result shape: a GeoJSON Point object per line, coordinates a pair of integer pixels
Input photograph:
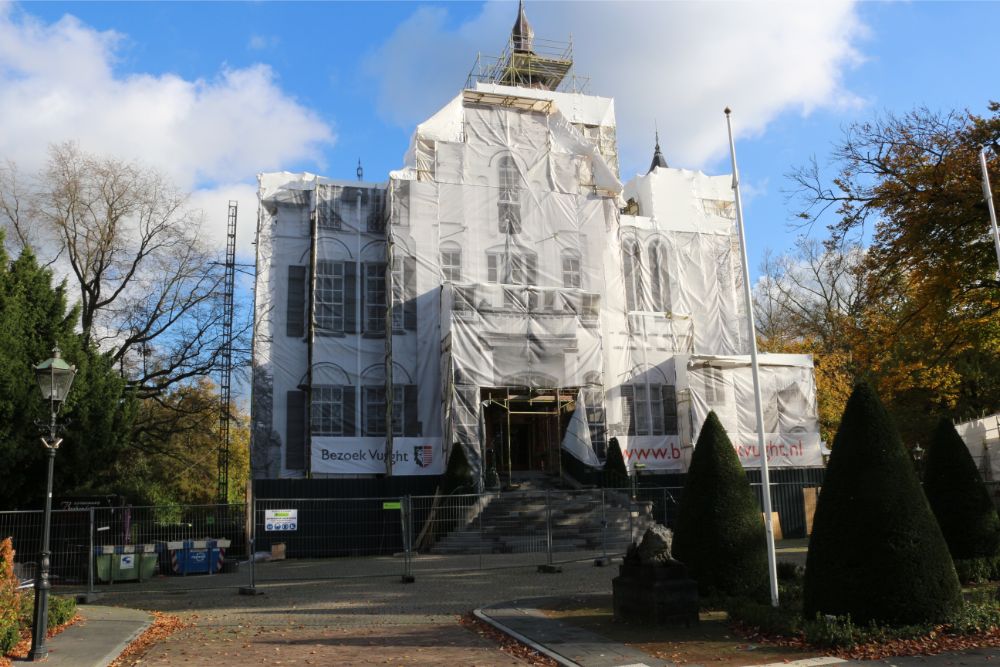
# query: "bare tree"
{"type": "Point", "coordinates": [815, 292]}
{"type": "Point", "coordinates": [149, 286]}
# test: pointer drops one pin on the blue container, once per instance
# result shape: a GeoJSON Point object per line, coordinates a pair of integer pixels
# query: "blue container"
{"type": "Point", "coordinates": [193, 556]}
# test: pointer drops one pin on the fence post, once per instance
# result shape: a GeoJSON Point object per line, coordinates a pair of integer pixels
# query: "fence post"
{"type": "Point", "coordinates": [90, 557]}
{"type": "Point", "coordinates": [480, 510]}
{"type": "Point", "coordinates": [603, 560]}
{"type": "Point", "coordinates": [405, 509]}
{"type": "Point", "coordinates": [252, 588]}
{"type": "Point", "coordinates": [664, 492]}
{"type": "Point", "coordinates": [548, 568]}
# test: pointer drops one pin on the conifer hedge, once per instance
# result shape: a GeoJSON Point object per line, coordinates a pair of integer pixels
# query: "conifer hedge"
{"type": "Point", "coordinates": [959, 498]}
{"type": "Point", "coordinates": [719, 533]}
{"type": "Point", "coordinates": [876, 551]}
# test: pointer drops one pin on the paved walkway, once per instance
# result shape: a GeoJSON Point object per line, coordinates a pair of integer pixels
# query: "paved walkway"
{"type": "Point", "coordinates": [364, 621]}
{"type": "Point", "coordinates": [567, 644]}
{"type": "Point", "coordinates": [98, 639]}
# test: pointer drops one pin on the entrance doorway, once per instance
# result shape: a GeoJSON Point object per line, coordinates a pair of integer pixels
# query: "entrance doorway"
{"type": "Point", "coordinates": [525, 428]}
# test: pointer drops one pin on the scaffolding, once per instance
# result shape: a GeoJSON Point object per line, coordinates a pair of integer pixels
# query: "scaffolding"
{"type": "Point", "coordinates": [226, 355]}
{"type": "Point", "coordinates": [547, 65]}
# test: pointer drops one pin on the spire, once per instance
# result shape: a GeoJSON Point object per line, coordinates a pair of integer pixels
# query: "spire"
{"type": "Point", "coordinates": [360, 172]}
{"type": "Point", "coordinates": [658, 159]}
{"type": "Point", "coordinates": [522, 36]}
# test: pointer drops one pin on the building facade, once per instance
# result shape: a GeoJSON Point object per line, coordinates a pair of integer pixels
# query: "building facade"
{"type": "Point", "coordinates": [499, 283]}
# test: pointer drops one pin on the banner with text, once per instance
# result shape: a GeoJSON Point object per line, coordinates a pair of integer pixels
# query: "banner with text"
{"type": "Point", "coordinates": [410, 456]}
{"type": "Point", "coordinates": [654, 452]}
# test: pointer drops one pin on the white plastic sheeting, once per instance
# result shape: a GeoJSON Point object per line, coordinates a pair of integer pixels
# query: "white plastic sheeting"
{"type": "Point", "coordinates": [577, 440]}
{"type": "Point", "coordinates": [501, 260]}
{"type": "Point", "coordinates": [982, 437]}
{"type": "Point", "coordinates": [724, 384]}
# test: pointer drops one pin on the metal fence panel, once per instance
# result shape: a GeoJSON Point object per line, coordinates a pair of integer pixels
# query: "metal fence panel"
{"type": "Point", "coordinates": [334, 538]}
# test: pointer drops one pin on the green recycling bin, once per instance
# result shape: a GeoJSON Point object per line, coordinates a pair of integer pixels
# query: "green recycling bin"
{"type": "Point", "coordinates": [133, 562]}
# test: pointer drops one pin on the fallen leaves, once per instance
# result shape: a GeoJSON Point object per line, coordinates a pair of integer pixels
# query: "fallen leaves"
{"type": "Point", "coordinates": [163, 626]}
{"type": "Point", "coordinates": [506, 643]}
{"type": "Point", "coordinates": [20, 650]}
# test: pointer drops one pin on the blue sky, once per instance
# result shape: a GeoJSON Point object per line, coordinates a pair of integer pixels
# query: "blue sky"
{"type": "Point", "coordinates": [213, 93]}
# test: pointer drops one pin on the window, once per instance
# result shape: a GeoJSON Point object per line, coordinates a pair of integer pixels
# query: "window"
{"type": "Point", "coordinates": [509, 201]}
{"type": "Point", "coordinates": [571, 270]}
{"type": "Point", "coordinates": [631, 270]}
{"type": "Point", "coordinates": [590, 310]}
{"type": "Point", "coordinates": [451, 264]}
{"type": "Point", "coordinates": [374, 297]}
{"type": "Point", "coordinates": [715, 386]}
{"type": "Point", "coordinates": [375, 410]}
{"type": "Point", "coordinates": [329, 297]}
{"type": "Point", "coordinates": [295, 307]}
{"type": "Point", "coordinates": [659, 287]}
{"type": "Point", "coordinates": [649, 409]}
{"type": "Point", "coordinates": [398, 293]}
{"type": "Point", "coordinates": [464, 299]}
{"type": "Point", "coordinates": [519, 269]}
{"type": "Point", "coordinates": [327, 410]}
{"type": "Point", "coordinates": [376, 211]}
{"type": "Point", "coordinates": [328, 207]}
{"type": "Point", "coordinates": [593, 396]}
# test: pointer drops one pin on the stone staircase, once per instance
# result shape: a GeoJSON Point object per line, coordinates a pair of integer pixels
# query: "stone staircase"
{"type": "Point", "coordinates": [515, 521]}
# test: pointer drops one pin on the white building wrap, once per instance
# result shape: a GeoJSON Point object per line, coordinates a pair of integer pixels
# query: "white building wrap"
{"type": "Point", "coordinates": [498, 279]}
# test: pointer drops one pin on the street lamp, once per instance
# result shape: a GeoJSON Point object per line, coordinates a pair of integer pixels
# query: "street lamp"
{"type": "Point", "coordinates": [54, 377]}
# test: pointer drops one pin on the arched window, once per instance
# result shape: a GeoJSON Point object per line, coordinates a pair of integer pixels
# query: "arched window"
{"type": "Point", "coordinates": [632, 270]}
{"type": "Point", "coordinates": [509, 201]}
{"type": "Point", "coordinates": [659, 284]}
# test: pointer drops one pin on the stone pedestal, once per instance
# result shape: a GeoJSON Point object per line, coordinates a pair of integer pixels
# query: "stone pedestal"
{"type": "Point", "coordinates": [655, 594]}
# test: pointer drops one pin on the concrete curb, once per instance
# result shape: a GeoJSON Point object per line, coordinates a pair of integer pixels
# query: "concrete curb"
{"type": "Point", "coordinates": [565, 662]}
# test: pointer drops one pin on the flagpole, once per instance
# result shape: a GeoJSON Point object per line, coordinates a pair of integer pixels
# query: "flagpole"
{"type": "Point", "coordinates": [765, 479]}
{"type": "Point", "coordinates": [988, 195]}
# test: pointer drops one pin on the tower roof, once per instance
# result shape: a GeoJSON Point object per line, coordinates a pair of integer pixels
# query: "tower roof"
{"type": "Point", "coordinates": [658, 159]}
{"type": "Point", "coordinates": [522, 36]}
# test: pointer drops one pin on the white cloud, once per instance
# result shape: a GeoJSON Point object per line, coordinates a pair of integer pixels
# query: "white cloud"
{"type": "Point", "coordinates": [58, 83]}
{"type": "Point", "coordinates": [678, 64]}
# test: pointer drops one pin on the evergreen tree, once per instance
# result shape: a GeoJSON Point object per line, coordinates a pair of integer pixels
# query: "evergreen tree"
{"type": "Point", "coordinates": [959, 498]}
{"type": "Point", "coordinates": [33, 318]}
{"type": "Point", "coordinates": [615, 470]}
{"type": "Point", "coordinates": [876, 551]}
{"type": "Point", "coordinates": [720, 529]}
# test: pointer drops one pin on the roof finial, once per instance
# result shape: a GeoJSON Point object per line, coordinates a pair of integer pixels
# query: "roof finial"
{"type": "Point", "coordinates": [522, 36]}
{"type": "Point", "coordinates": [360, 172]}
{"type": "Point", "coordinates": [658, 159]}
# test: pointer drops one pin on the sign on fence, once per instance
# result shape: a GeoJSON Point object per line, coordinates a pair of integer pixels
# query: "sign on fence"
{"type": "Point", "coordinates": [281, 520]}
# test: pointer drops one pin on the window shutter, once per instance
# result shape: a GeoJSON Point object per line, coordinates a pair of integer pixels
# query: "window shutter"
{"type": "Point", "coordinates": [295, 308]}
{"type": "Point", "coordinates": [628, 408]}
{"type": "Point", "coordinates": [362, 314]}
{"type": "Point", "coordinates": [409, 293]}
{"type": "Point", "coordinates": [350, 297]}
{"type": "Point", "coordinates": [411, 423]}
{"type": "Point", "coordinates": [350, 398]}
{"type": "Point", "coordinates": [669, 396]}
{"type": "Point", "coordinates": [295, 431]}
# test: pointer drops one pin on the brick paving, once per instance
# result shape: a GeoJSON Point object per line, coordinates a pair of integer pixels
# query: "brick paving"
{"type": "Point", "coordinates": [351, 621]}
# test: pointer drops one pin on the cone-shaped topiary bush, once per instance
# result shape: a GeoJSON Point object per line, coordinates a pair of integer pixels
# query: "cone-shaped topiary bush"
{"type": "Point", "coordinates": [720, 530]}
{"type": "Point", "coordinates": [458, 475]}
{"type": "Point", "coordinates": [959, 498]}
{"type": "Point", "coordinates": [876, 550]}
{"type": "Point", "coordinates": [615, 470]}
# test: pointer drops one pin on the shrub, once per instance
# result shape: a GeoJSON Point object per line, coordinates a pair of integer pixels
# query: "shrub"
{"type": "Point", "coordinates": [720, 530]}
{"type": "Point", "coordinates": [977, 570]}
{"type": "Point", "coordinates": [958, 497]}
{"type": "Point", "coordinates": [61, 610]}
{"type": "Point", "coordinates": [876, 551]}
{"type": "Point", "coordinates": [458, 475]}
{"type": "Point", "coordinates": [782, 620]}
{"type": "Point", "coordinates": [615, 470]}
{"type": "Point", "coordinates": [10, 599]}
